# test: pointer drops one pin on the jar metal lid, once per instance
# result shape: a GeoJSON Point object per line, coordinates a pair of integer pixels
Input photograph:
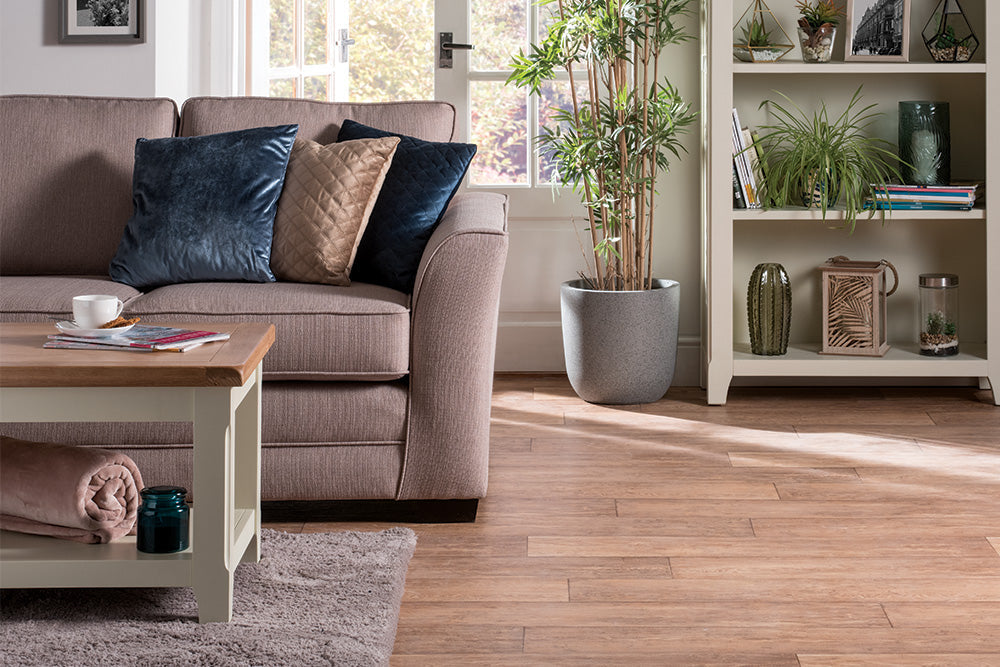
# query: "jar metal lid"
{"type": "Point", "coordinates": [938, 280]}
{"type": "Point", "coordinates": [162, 491]}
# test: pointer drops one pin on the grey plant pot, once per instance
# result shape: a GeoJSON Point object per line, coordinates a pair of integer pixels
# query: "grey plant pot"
{"type": "Point", "coordinates": [620, 347]}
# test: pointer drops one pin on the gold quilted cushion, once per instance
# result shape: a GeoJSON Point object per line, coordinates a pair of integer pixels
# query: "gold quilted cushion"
{"type": "Point", "coordinates": [324, 207]}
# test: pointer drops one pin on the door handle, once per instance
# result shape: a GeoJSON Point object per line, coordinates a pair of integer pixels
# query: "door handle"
{"type": "Point", "coordinates": [345, 44]}
{"type": "Point", "coordinates": [445, 59]}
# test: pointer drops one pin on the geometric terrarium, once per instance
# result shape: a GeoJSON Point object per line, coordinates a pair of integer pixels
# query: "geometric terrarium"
{"type": "Point", "coordinates": [948, 35]}
{"type": "Point", "coordinates": [758, 37]}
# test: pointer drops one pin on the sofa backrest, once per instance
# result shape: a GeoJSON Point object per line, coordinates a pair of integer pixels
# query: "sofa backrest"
{"type": "Point", "coordinates": [318, 121]}
{"type": "Point", "coordinates": [66, 178]}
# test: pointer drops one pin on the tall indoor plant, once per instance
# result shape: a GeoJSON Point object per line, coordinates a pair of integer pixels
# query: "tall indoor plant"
{"type": "Point", "coordinates": [610, 147]}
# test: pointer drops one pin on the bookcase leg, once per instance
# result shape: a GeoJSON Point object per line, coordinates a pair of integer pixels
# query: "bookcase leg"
{"type": "Point", "coordinates": [718, 386]}
{"type": "Point", "coordinates": [992, 382]}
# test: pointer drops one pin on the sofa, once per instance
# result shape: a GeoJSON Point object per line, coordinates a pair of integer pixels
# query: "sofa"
{"type": "Point", "coordinates": [370, 393]}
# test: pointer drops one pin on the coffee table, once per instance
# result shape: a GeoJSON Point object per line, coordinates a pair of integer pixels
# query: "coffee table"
{"type": "Point", "coordinates": [216, 387]}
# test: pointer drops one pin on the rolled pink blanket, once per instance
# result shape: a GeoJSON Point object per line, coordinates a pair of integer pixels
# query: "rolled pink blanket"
{"type": "Point", "coordinates": [84, 494]}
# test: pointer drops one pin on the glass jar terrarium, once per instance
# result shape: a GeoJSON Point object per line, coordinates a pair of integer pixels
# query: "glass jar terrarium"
{"type": "Point", "coordinates": [938, 314]}
{"type": "Point", "coordinates": [948, 34]}
{"type": "Point", "coordinates": [755, 35]}
{"type": "Point", "coordinates": [164, 520]}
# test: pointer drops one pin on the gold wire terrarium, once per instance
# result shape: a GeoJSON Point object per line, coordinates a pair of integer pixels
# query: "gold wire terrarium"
{"type": "Point", "coordinates": [754, 36]}
{"type": "Point", "coordinates": [948, 34]}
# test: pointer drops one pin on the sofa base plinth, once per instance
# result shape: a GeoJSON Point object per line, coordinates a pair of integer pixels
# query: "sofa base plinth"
{"type": "Point", "coordinates": [461, 510]}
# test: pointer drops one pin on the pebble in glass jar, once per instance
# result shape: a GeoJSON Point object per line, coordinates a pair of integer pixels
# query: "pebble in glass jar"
{"type": "Point", "coordinates": [164, 520]}
{"type": "Point", "coordinates": [938, 314]}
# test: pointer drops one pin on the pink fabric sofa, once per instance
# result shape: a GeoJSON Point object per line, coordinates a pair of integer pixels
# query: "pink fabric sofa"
{"type": "Point", "coordinates": [370, 394]}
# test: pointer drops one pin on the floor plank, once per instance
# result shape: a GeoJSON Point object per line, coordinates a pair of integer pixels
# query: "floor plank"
{"type": "Point", "coordinates": [793, 526]}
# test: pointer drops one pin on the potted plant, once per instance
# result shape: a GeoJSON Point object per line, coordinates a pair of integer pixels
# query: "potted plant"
{"type": "Point", "coordinates": [756, 44]}
{"type": "Point", "coordinates": [816, 161]}
{"type": "Point", "coordinates": [753, 42]}
{"type": "Point", "coordinates": [620, 323]}
{"type": "Point", "coordinates": [817, 29]}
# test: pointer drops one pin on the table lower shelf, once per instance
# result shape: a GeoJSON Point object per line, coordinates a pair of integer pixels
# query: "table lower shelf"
{"type": "Point", "coordinates": [38, 561]}
{"type": "Point", "coordinates": [903, 360]}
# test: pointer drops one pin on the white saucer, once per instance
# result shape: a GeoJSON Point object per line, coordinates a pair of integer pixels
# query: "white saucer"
{"type": "Point", "coordinates": [72, 329]}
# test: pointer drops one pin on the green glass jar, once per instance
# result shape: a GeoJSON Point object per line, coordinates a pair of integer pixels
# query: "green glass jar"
{"type": "Point", "coordinates": [164, 520]}
{"type": "Point", "coordinates": [925, 143]}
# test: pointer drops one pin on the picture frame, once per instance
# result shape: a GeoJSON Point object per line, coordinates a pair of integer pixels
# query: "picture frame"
{"type": "Point", "coordinates": [878, 31]}
{"type": "Point", "coordinates": [123, 21]}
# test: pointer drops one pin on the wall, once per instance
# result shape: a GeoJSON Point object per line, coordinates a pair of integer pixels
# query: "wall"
{"type": "Point", "coordinates": [173, 61]}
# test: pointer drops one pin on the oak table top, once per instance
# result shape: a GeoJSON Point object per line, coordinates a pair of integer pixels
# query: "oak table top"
{"type": "Point", "coordinates": [25, 363]}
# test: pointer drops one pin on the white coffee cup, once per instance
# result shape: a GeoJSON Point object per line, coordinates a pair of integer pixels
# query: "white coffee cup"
{"type": "Point", "coordinates": [92, 310]}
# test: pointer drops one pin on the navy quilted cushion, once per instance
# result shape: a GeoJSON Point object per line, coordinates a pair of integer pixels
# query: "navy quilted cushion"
{"type": "Point", "coordinates": [204, 208]}
{"type": "Point", "coordinates": [423, 178]}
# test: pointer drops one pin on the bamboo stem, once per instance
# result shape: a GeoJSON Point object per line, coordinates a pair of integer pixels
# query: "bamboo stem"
{"type": "Point", "coordinates": [598, 268]}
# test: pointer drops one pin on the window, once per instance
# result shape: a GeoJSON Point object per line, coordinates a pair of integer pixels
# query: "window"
{"type": "Point", "coordinates": [293, 49]}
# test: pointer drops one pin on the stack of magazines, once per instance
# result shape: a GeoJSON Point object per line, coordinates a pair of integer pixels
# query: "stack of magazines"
{"type": "Point", "coordinates": [924, 197]}
{"type": "Point", "coordinates": [141, 337]}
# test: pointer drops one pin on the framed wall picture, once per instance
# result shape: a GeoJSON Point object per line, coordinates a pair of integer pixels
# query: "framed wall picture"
{"type": "Point", "coordinates": [878, 30]}
{"type": "Point", "coordinates": [95, 21]}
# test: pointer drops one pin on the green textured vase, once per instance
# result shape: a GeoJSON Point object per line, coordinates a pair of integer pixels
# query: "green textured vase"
{"type": "Point", "coordinates": [769, 309]}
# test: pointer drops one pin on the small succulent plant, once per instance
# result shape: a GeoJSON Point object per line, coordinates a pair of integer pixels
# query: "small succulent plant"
{"type": "Point", "coordinates": [818, 12]}
{"type": "Point", "coordinates": [754, 34]}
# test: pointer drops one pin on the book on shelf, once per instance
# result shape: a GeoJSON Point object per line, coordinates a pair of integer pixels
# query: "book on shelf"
{"type": "Point", "coordinates": [143, 337]}
{"type": "Point", "coordinates": [738, 199]}
{"type": "Point", "coordinates": [743, 164]}
{"type": "Point", "coordinates": [883, 205]}
{"type": "Point", "coordinates": [944, 194]}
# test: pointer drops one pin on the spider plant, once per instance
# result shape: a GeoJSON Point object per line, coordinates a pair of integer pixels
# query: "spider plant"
{"type": "Point", "coordinates": [813, 160]}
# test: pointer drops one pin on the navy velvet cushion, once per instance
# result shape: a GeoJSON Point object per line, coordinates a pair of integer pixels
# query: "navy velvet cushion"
{"type": "Point", "coordinates": [423, 178]}
{"type": "Point", "coordinates": [204, 208]}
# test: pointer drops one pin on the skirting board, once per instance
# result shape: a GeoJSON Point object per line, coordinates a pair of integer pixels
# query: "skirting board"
{"type": "Point", "coordinates": [525, 346]}
{"type": "Point", "coordinates": [461, 510]}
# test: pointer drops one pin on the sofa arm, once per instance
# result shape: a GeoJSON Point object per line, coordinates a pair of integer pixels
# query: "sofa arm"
{"type": "Point", "coordinates": [453, 331]}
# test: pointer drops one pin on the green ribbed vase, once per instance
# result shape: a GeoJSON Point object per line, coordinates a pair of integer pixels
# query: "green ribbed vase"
{"type": "Point", "coordinates": [769, 309]}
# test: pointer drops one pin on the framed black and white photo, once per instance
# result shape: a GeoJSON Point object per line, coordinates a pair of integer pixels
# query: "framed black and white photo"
{"type": "Point", "coordinates": [95, 21]}
{"type": "Point", "coordinates": [878, 30]}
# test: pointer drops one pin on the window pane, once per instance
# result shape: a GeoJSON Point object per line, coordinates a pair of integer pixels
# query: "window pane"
{"type": "Point", "coordinates": [281, 88]}
{"type": "Point", "coordinates": [555, 96]}
{"type": "Point", "coordinates": [316, 88]}
{"type": "Point", "coordinates": [500, 129]}
{"type": "Point", "coordinates": [315, 32]}
{"type": "Point", "coordinates": [499, 28]}
{"type": "Point", "coordinates": [394, 52]}
{"type": "Point", "coordinates": [282, 33]}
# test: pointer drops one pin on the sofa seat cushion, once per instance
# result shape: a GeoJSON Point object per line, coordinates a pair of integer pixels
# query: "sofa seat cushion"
{"type": "Point", "coordinates": [323, 332]}
{"type": "Point", "coordinates": [34, 298]}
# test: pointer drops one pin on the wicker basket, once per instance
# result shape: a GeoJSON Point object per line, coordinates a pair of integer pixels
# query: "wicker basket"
{"type": "Point", "coordinates": [854, 306]}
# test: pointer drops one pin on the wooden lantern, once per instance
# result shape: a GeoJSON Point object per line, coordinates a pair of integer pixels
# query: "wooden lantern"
{"type": "Point", "coordinates": [854, 306]}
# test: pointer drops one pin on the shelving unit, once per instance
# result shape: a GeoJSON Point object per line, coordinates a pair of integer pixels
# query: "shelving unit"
{"type": "Point", "coordinates": [970, 239]}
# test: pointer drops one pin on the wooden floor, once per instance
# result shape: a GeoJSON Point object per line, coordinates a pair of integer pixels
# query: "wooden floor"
{"type": "Point", "coordinates": [805, 526]}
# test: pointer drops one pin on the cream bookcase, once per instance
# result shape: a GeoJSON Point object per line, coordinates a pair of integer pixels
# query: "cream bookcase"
{"type": "Point", "coordinates": [735, 240]}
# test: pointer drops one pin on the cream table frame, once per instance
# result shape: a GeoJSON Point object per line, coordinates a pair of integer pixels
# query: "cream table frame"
{"type": "Point", "coordinates": [226, 512]}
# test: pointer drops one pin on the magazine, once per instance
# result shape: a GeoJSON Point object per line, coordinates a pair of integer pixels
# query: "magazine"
{"type": "Point", "coordinates": [147, 337]}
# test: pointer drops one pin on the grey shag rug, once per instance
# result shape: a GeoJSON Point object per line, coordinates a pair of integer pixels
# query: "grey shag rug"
{"type": "Point", "coordinates": [314, 599]}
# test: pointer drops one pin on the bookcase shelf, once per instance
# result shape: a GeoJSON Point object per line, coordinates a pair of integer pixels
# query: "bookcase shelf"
{"type": "Point", "coordinates": [836, 215]}
{"type": "Point", "coordinates": [865, 68]}
{"type": "Point", "coordinates": [925, 240]}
